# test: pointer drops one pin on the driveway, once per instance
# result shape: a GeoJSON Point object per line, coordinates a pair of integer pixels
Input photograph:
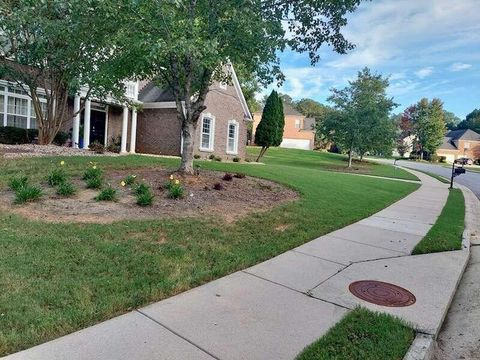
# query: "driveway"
{"type": "Point", "coordinates": [470, 179]}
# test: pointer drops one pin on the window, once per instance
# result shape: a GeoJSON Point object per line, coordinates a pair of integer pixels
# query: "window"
{"type": "Point", "coordinates": [297, 124]}
{"type": "Point", "coordinates": [2, 106]}
{"type": "Point", "coordinates": [466, 145]}
{"type": "Point", "coordinates": [232, 137]}
{"type": "Point", "coordinates": [207, 134]}
{"type": "Point", "coordinates": [17, 112]}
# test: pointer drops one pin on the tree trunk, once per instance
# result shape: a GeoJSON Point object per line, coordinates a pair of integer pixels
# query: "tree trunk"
{"type": "Point", "coordinates": [262, 152]}
{"type": "Point", "coordinates": [350, 155]}
{"type": "Point", "coordinates": [188, 133]}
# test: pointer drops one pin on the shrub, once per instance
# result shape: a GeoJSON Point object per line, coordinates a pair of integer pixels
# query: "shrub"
{"type": "Point", "coordinates": [236, 159]}
{"type": "Point", "coordinates": [56, 177]}
{"type": "Point", "coordinates": [196, 156]}
{"type": "Point", "coordinates": [145, 198]}
{"type": "Point", "coordinates": [61, 138]}
{"type": "Point", "coordinates": [94, 183]}
{"type": "Point", "coordinates": [97, 147]}
{"type": "Point", "coordinates": [141, 189]}
{"type": "Point", "coordinates": [212, 157]}
{"type": "Point", "coordinates": [218, 186]}
{"type": "Point", "coordinates": [17, 183]}
{"type": "Point", "coordinates": [227, 177]}
{"type": "Point", "coordinates": [92, 172]}
{"type": "Point", "coordinates": [13, 135]}
{"type": "Point", "coordinates": [176, 190]}
{"type": "Point", "coordinates": [107, 194]}
{"type": "Point", "coordinates": [66, 189]}
{"type": "Point", "coordinates": [240, 175]}
{"type": "Point", "coordinates": [443, 159]}
{"type": "Point", "coordinates": [27, 193]}
{"type": "Point", "coordinates": [218, 158]}
{"type": "Point", "coordinates": [130, 180]}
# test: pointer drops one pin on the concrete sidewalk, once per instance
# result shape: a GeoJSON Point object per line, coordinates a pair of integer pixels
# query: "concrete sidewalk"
{"type": "Point", "coordinates": [276, 308]}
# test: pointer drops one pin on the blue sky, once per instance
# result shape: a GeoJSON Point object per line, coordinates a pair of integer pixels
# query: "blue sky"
{"type": "Point", "coordinates": [430, 48]}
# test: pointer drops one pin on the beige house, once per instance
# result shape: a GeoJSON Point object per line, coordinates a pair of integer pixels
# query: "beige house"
{"type": "Point", "coordinates": [298, 132]}
{"type": "Point", "coordinates": [460, 144]}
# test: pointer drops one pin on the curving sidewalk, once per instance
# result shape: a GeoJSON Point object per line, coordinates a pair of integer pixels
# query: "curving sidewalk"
{"type": "Point", "coordinates": [276, 308]}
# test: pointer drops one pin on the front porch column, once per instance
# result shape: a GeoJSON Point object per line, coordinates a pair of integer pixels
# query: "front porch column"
{"type": "Point", "coordinates": [86, 124]}
{"type": "Point", "coordinates": [123, 146]}
{"type": "Point", "coordinates": [133, 131]}
{"type": "Point", "coordinates": [76, 122]}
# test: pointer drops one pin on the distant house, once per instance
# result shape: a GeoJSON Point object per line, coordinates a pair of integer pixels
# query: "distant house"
{"type": "Point", "coordinates": [407, 142]}
{"type": "Point", "coordinates": [460, 143]}
{"type": "Point", "coordinates": [298, 132]}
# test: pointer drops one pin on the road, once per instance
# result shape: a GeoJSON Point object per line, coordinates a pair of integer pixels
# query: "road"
{"type": "Point", "coordinates": [470, 179]}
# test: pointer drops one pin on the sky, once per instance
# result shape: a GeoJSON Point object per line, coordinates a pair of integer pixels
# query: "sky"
{"type": "Point", "coordinates": [429, 48]}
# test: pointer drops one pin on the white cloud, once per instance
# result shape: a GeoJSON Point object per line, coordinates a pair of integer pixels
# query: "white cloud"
{"type": "Point", "coordinates": [424, 72]}
{"type": "Point", "coordinates": [460, 66]}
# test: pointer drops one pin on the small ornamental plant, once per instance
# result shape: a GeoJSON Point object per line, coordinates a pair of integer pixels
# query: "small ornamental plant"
{"type": "Point", "coordinates": [129, 180]}
{"type": "Point", "coordinates": [212, 157]}
{"type": "Point", "coordinates": [56, 177]}
{"type": "Point", "coordinates": [218, 158]}
{"type": "Point", "coordinates": [227, 177]}
{"type": "Point", "coordinates": [93, 177]}
{"type": "Point", "coordinates": [141, 188]}
{"type": "Point", "coordinates": [196, 156]}
{"type": "Point", "coordinates": [107, 194]}
{"type": "Point", "coordinates": [218, 186]}
{"type": "Point", "coordinates": [66, 189]}
{"type": "Point", "coordinates": [239, 175]}
{"type": "Point", "coordinates": [144, 194]}
{"type": "Point", "coordinates": [176, 191]}
{"type": "Point", "coordinates": [17, 183]}
{"type": "Point", "coordinates": [236, 159]}
{"type": "Point", "coordinates": [27, 193]}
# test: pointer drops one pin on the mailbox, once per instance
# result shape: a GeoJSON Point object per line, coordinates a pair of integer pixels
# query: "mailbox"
{"type": "Point", "coordinates": [459, 171]}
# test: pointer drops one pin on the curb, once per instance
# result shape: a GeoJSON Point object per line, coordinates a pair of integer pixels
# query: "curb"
{"type": "Point", "coordinates": [423, 346]}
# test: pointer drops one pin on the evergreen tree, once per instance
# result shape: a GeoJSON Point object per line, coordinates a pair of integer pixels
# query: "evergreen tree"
{"type": "Point", "coordinates": [280, 121]}
{"type": "Point", "coordinates": [267, 131]}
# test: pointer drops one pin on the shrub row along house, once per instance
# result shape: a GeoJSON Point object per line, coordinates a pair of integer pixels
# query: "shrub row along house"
{"type": "Point", "coordinates": [152, 129]}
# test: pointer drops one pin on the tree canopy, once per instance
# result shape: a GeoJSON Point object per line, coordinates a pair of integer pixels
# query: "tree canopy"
{"type": "Point", "coordinates": [269, 131]}
{"type": "Point", "coordinates": [472, 121]}
{"type": "Point", "coordinates": [360, 120]}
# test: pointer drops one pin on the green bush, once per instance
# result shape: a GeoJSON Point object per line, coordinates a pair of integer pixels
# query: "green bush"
{"type": "Point", "coordinates": [218, 158]}
{"type": "Point", "coordinates": [27, 193]}
{"type": "Point", "coordinates": [92, 172]}
{"type": "Point", "coordinates": [130, 180]}
{"type": "Point", "coordinates": [61, 138]}
{"type": "Point", "coordinates": [66, 189]}
{"type": "Point", "coordinates": [176, 190]}
{"type": "Point", "coordinates": [212, 157]}
{"type": "Point", "coordinates": [141, 189]}
{"type": "Point", "coordinates": [94, 183]}
{"type": "Point", "coordinates": [196, 156]}
{"type": "Point", "coordinates": [56, 177]}
{"type": "Point", "coordinates": [236, 159]}
{"type": "Point", "coordinates": [145, 198]}
{"type": "Point", "coordinates": [17, 183]}
{"type": "Point", "coordinates": [13, 135]}
{"type": "Point", "coordinates": [97, 147]}
{"type": "Point", "coordinates": [107, 194]}
{"type": "Point", "coordinates": [115, 144]}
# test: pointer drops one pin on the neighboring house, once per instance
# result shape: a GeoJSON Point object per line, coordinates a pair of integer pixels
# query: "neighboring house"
{"type": "Point", "coordinates": [408, 143]}
{"type": "Point", "coordinates": [298, 132]}
{"type": "Point", "coordinates": [460, 143]}
{"type": "Point", "coordinates": [154, 129]}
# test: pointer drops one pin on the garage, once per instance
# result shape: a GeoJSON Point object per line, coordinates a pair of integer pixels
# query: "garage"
{"type": "Point", "coordinates": [296, 144]}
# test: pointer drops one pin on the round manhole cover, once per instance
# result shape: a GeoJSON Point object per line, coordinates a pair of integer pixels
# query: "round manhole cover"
{"type": "Point", "coordinates": [382, 293]}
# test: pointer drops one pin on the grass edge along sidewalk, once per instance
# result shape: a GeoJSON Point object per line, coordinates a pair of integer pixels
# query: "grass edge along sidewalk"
{"type": "Point", "coordinates": [362, 335]}
{"type": "Point", "coordinates": [446, 233]}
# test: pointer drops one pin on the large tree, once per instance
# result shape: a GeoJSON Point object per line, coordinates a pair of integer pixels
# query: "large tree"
{"type": "Point", "coordinates": [360, 121]}
{"type": "Point", "coordinates": [58, 46]}
{"type": "Point", "coordinates": [188, 44]}
{"type": "Point", "coordinates": [269, 131]}
{"type": "Point", "coordinates": [472, 121]}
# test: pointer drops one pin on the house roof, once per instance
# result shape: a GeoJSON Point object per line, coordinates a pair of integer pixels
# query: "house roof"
{"type": "Point", "coordinates": [464, 134]}
{"type": "Point", "coordinates": [151, 93]}
{"type": "Point", "coordinates": [289, 110]}
{"type": "Point", "coordinates": [447, 144]}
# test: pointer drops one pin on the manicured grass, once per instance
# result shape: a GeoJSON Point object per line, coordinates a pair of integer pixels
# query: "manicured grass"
{"type": "Point", "coordinates": [58, 278]}
{"type": "Point", "coordinates": [328, 162]}
{"type": "Point", "coordinates": [438, 177]}
{"type": "Point", "coordinates": [446, 234]}
{"type": "Point", "coordinates": [363, 335]}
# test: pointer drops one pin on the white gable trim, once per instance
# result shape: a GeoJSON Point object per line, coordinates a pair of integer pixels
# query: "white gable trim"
{"type": "Point", "coordinates": [238, 88]}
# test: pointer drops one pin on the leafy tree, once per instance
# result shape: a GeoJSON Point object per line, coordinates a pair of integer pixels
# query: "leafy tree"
{"type": "Point", "coordinates": [427, 122]}
{"type": "Point", "coordinates": [472, 121]}
{"type": "Point", "coordinates": [360, 120]}
{"type": "Point", "coordinates": [270, 129]}
{"type": "Point", "coordinates": [52, 45]}
{"type": "Point", "coordinates": [451, 120]}
{"type": "Point", "coordinates": [188, 44]}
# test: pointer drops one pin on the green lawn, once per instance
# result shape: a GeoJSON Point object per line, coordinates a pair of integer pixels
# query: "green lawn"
{"type": "Point", "coordinates": [438, 177]}
{"type": "Point", "coordinates": [328, 162]}
{"type": "Point", "coordinates": [362, 335]}
{"type": "Point", "coordinates": [446, 234]}
{"type": "Point", "coordinates": [58, 278]}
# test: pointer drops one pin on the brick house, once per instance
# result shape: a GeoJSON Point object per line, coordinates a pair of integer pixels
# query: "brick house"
{"type": "Point", "coordinates": [154, 129]}
{"type": "Point", "coordinates": [459, 144]}
{"type": "Point", "coordinates": [298, 132]}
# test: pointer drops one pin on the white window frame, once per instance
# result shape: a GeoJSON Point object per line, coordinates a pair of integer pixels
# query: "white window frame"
{"type": "Point", "coordinates": [299, 123]}
{"type": "Point", "coordinates": [235, 139]}
{"type": "Point", "coordinates": [8, 94]}
{"type": "Point", "coordinates": [211, 140]}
